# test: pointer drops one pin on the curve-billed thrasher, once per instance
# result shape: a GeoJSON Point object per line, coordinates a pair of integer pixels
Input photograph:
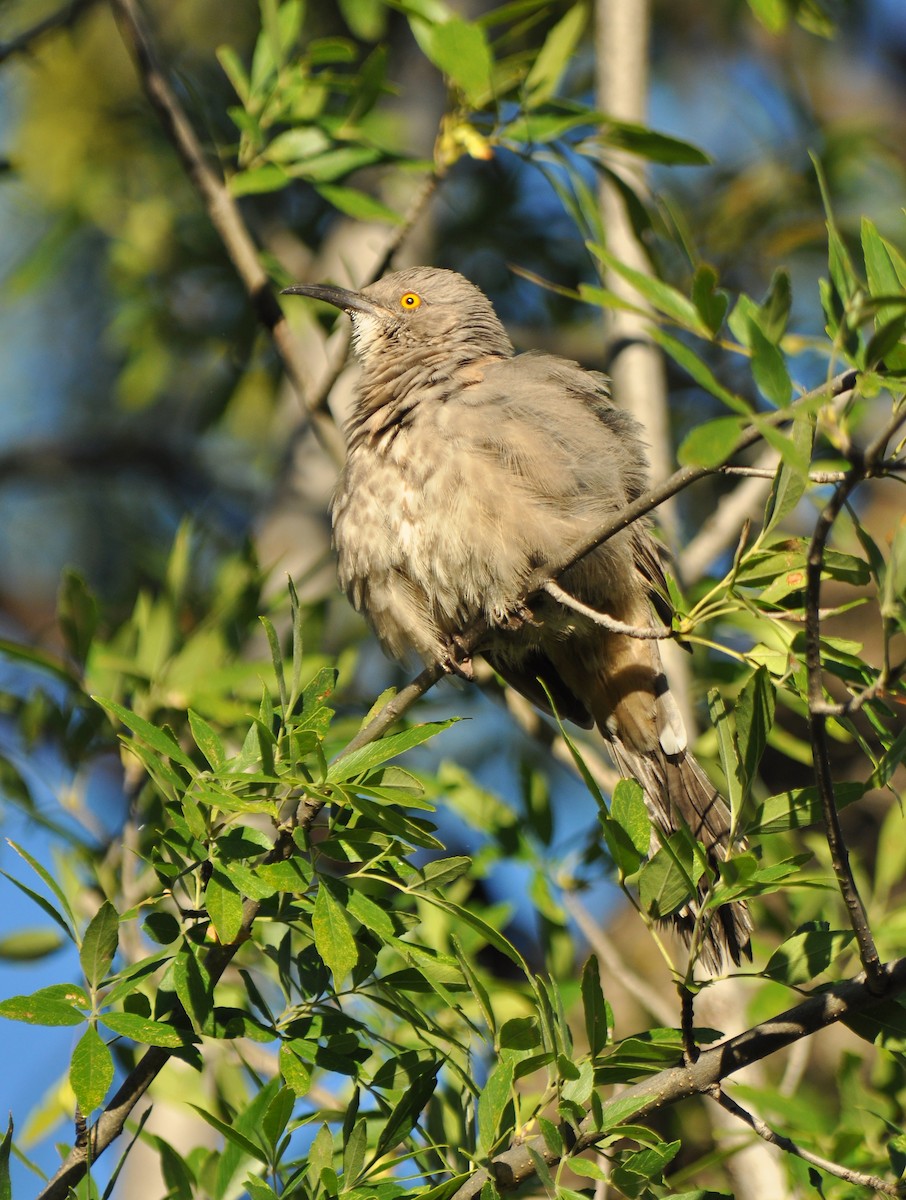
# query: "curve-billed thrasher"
{"type": "Point", "coordinates": [469, 466]}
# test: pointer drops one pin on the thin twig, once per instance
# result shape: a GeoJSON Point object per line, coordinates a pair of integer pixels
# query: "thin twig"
{"type": "Point", "coordinates": [887, 678]}
{"type": "Point", "coordinates": [63, 17]}
{"type": "Point", "coordinates": [824, 780]}
{"type": "Point", "coordinates": [649, 632]}
{"type": "Point", "coordinates": [223, 212]}
{"type": "Point", "coordinates": [782, 1142]}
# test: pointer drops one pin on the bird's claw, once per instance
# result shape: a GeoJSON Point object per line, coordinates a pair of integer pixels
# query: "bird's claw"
{"type": "Point", "coordinates": [513, 619]}
{"type": "Point", "coordinates": [457, 659]}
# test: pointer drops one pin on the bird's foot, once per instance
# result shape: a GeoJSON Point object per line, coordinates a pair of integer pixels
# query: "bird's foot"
{"type": "Point", "coordinates": [513, 619]}
{"type": "Point", "coordinates": [456, 659]}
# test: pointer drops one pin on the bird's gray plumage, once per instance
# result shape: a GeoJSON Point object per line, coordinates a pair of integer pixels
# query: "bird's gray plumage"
{"type": "Point", "coordinates": [468, 466]}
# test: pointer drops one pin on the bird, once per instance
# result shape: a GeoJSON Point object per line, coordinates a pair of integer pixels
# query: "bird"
{"type": "Point", "coordinates": [468, 467]}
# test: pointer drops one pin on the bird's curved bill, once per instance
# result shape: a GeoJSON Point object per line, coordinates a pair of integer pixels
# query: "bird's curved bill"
{"type": "Point", "coordinates": [351, 302]}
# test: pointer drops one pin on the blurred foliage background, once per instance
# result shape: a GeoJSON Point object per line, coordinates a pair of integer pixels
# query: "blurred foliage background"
{"type": "Point", "coordinates": [144, 404]}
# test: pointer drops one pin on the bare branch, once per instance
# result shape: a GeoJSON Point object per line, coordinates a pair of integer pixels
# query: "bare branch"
{"type": "Point", "coordinates": [861, 470]}
{"type": "Point", "coordinates": [887, 677]}
{"type": "Point", "coordinates": [65, 16]}
{"type": "Point", "coordinates": [667, 1087]}
{"type": "Point", "coordinates": [782, 1142]}
{"type": "Point", "coordinates": [612, 625]}
{"type": "Point", "coordinates": [222, 210]}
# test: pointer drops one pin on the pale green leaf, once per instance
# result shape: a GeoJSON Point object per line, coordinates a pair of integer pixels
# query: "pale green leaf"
{"type": "Point", "coordinates": [224, 905]}
{"type": "Point", "coordinates": [91, 1070]}
{"type": "Point", "coordinates": [492, 1102]}
{"type": "Point", "coordinates": [333, 935]}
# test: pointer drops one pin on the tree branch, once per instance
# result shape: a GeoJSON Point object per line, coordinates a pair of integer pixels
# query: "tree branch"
{"type": "Point", "coordinates": [861, 470]}
{"type": "Point", "coordinates": [223, 212]}
{"type": "Point", "coordinates": [67, 15]}
{"type": "Point", "coordinates": [782, 1142]}
{"type": "Point", "coordinates": [646, 632]}
{"type": "Point", "coordinates": [674, 1084]}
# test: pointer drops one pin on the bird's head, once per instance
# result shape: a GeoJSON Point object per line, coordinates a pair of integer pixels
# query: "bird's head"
{"type": "Point", "coordinates": [415, 316]}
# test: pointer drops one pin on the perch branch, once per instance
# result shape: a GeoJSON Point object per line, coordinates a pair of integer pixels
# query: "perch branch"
{"type": "Point", "coordinates": [659, 632]}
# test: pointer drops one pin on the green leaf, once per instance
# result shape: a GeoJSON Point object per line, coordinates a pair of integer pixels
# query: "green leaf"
{"type": "Point", "coordinates": [276, 1116]}
{"type": "Point", "coordinates": [790, 482]}
{"type": "Point", "coordinates": [232, 1135]}
{"type": "Point", "coordinates": [6, 1192]}
{"type": "Point", "coordinates": [356, 204]}
{"type": "Point", "coordinates": [234, 70]}
{"type": "Point", "coordinates": [668, 881]}
{"type": "Point", "coordinates": [333, 935]}
{"type": "Point", "coordinates": [439, 873]}
{"type": "Point", "coordinates": [147, 1032]}
{"type": "Point", "coordinates": [407, 1110]}
{"type": "Point", "coordinates": [348, 766]}
{"type": "Point", "coordinates": [698, 370]}
{"type": "Point", "coordinates": [296, 1073]}
{"type": "Point", "coordinates": [99, 944]}
{"type": "Point", "coordinates": [77, 614]}
{"type": "Point", "coordinates": [460, 49]}
{"type": "Point", "coordinates": [711, 303]}
{"type": "Point", "coordinates": [49, 880]}
{"type": "Point", "coordinates": [366, 19]}
{"type": "Point", "coordinates": [769, 369]}
{"type": "Point", "coordinates": [43, 1009]}
{"type": "Point", "coordinates": [597, 1017]}
{"type": "Point", "coordinates": [629, 811]}
{"type": "Point", "coordinates": [354, 1150]}
{"type": "Point", "coordinates": [207, 740]}
{"type": "Point", "coordinates": [42, 903]}
{"type": "Point", "coordinates": [554, 56]}
{"type": "Point", "coordinates": [774, 310]}
{"type": "Point", "coordinates": [193, 987]}
{"type": "Point", "coordinates": [754, 718]}
{"type": "Point", "coordinates": [493, 1100]}
{"type": "Point", "coordinates": [729, 753]}
{"type": "Point", "coordinates": [224, 905]}
{"type": "Point", "coordinates": [267, 178]}
{"type": "Point", "coordinates": [884, 1024]}
{"type": "Point", "coordinates": [800, 807]}
{"type": "Point", "coordinates": [648, 143]}
{"type": "Point", "coordinates": [710, 444]}
{"type": "Point", "coordinates": [807, 953]}
{"type": "Point", "coordinates": [661, 296]}
{"type": "Point", "coordinates": [28, 945]}
{"type": "Point", "coordinates": [91, 1070]}
{"type": "Point", "coordinates": [158, 739]}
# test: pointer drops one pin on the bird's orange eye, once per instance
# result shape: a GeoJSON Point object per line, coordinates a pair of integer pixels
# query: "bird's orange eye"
{"type": "Point", "coordinates": [410, 300]}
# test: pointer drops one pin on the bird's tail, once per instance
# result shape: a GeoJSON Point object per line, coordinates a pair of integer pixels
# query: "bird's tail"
{"type": "Point", "coordinates": [620, 682]}
{"type": "Point", "coordinates": [679, 794]}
